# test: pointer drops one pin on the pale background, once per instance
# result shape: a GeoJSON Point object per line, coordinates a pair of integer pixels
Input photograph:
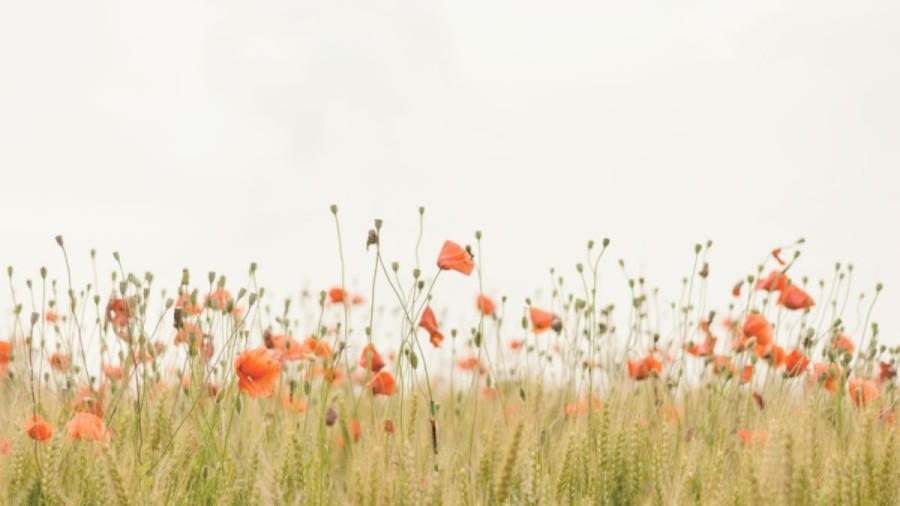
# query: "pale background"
{"type": "Point", "coordinates": [211, 134]}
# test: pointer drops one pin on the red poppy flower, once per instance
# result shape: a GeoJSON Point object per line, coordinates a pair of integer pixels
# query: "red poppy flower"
{"type": "Point", "coordinates": [703, 349]}
{"type": "Point", "coordinates": [185, 303]}
{"type": "Point", "coordinates": [752, 438]}
{"type": "Point", "coordinates": [643, 369]}
{"type": "Point", "coordinates": [886, 371]}
{"type": "Point", "coordinates": [844, 343]}
{"type": "Point", "coordinates": [383, 384]}
{"type": "Point", "coordinates": [337, 295]}
{"type": "Point", "coordinates": [775, 281]}
{"type": "Point", "coordinates": [5, 354]}
{"type": "Point", "coordinates": [370, 359]}
{"type": "Point", "coordinates": [793, 297]}
{"type": "Point", "coordinates": [453, 257]}
{"type": "Point", "coordinates": [113, 372]}
{"type": "Point", "coordinates": [469, 364]}
{"type": "Point", "coordinates": [862, 392]}
{"type": "Point", "coordinates": [828, 375]}
{"type": "Point", "coordinates": [758, 327]}
{"type": "Point", "coordinates": [795, 363]}
{"type": "Point", "coordinates": [318, 346]}
{"type": "Point", "coordinates": [219, 299]}
{"type": "Point", "coordinates": [541, 321]}
{"type": "Point", "coordinates": [59, 361]}
{"type": "Point", "coordinates": [429, 323]}
{"type": "Point", "coordinates": [257, 372]}
{"type": "Point", "coordinates": [38, 429]}
{"type": "Point", "coordinates": [485, 305]}
{"type": "Point", "coordinates": [118, 312]}
{"type": "Point", "coordinates": [87, 427]}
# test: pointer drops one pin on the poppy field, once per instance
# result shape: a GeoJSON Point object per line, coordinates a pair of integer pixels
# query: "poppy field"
{"type": "Point", "coordinates": [121, 391]}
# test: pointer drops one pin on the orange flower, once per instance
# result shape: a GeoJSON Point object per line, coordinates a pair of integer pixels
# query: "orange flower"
{"type": "Point", "coordinates": [428, 322]}
{"type": "Point", "coordinates": [370, 359]}
{"type": "Point", "coordinates": [793, 297]}
{"type": "Point", "coordinates": [748, 374]}
{"type": "Point", "coordinates": [515, 344]}
{"type": "Point", "coordinates": [795, 363]}
{"type": "Point", "coordinates": [542, 321]}
{"type": "Point", "coordinates": [751, 438]}
{"type": "Point", "coordinates": [285, 347]}
{"type": "Point", "coordinates": [581, 407]}
{"type": "Point", "coordinates": [844, 343]}
{"type": "Point", "coordinates": [317, 346]}
{"type": "Point", "coordinates": [721, 363]}
{"type": "Point", "coordinates": [775, 281]}
{"type": "Point", "coordinates": [337, 295]}
{"type": "Point", "coordinates": [827, 375]}
{"type": "Point", "coordinates": [383, 384]}
{"type": "Point", "coordinates": [469, 364]}
{"type": "Point", "coordinates": [643, 369]}
{"type": "Point", "coordinates": [756, 326]}
{"type": "Point", "coordinates": [219, 299]}
{"type": "Point", "coordinates": [453, 257]}
{"type": "Point", "coordinates": [863, 392]}
{"type": "Point", "coordinates": [703, 349]}
{"type": "Point", "coordinates": [185, 304]}
{"type": "Point", "coordinates": [485, 305]}
{"type": "Point", "coordinates": [38, 429]}
{"type": "Point", "coordinates": [51, 316]}
{"type": "Point", "coordinates": [189, 334]}
{"type": "Point", "coordinates": [59, 361]}
{"type": "Point", "coordinates": [113, 372]}
{"type": "Point", "coordinates": [669, 411]}
{"type": "Point", "coordinates": [257, 372]}
{"type": "Point", "coordinates": [355, 429]}
{"type": "Point", "coordinates": [774, 354]}
{"type": "Point", "coordinates": [776, 253]}
{"type": "Point", "coordinates": [389, 426]}
{"type": "Point", "coordinates": [118, 312]}
{"type": "Point", "coordinates": [293, 404]}
{"type": "Point", "coordinates": [87, 427]}
{"type": "Point", "coordinates": [5, 353]}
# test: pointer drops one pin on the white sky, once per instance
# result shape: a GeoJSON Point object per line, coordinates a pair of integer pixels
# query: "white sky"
{"type": "Point", "coordinates": [211, 134]}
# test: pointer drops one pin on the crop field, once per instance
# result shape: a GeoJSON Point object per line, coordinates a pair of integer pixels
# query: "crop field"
{"type": "Point", "coordinates": [214, 391]}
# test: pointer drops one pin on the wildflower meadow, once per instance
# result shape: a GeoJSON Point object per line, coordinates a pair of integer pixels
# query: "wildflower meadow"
{"type": "Point", "coordinates": [116, 390]}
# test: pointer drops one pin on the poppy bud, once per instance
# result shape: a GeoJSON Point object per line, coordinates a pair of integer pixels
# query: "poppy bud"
{"type": "Point", "coordinates": [334, 209]}
{"type": "Point", "coordinates": [43, 273]}
{"type": "Point", "coordinates": [697, 248]}
{"type": "Point", "coordinates": [9, 270]}
{"type": "Point", "coordinates": [185, 276]}
{"type": "Point", "coordinates": [395, 266]}
{"type": "Point", "coordinates": [478, 234]}
{"type": "Point", "coordinates": [34, 318]}
{"type": "Point", "coordinates": [557, 324]}
{"type": "Point", "coordinates": [59, 240]}
{"type": "Point", "coordinates": [378, 224]}
{"type": "Point", "coordinates": [330, 417]}
{"type": "Point", "coordinates": [371, 239]}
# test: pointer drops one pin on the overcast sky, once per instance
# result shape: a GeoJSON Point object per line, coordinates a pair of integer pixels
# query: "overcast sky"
{"type": "Point", "coordinates": [208, 134]}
